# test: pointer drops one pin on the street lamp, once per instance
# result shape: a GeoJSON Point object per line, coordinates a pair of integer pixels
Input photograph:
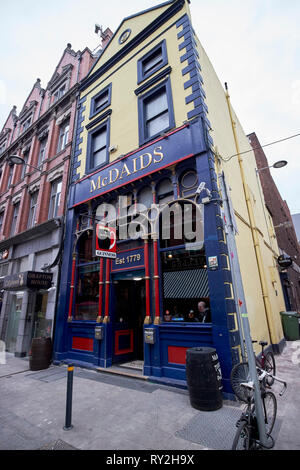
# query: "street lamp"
{"type": "Point", "coordinates": [17, 160]}
{"type": "Point", "coordinates": [279, 164]}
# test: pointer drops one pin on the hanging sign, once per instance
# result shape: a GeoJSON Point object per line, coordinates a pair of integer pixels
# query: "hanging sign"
{"type": "Point", "coordinates": [106, 241]}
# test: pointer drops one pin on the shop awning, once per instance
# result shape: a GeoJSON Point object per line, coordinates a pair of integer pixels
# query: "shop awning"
{"type": "Point", "coordinates": [191, 284]}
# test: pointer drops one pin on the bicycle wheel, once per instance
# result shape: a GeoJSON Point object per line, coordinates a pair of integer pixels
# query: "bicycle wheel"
{"type": "Point", "coordinates": [242, 437]}
{"type": "Point", "coordinates": [239, 374]}
{"type": "Point", "coordinates": [270, 367]}
{"type": "Point", "coordinates": [270, 410]}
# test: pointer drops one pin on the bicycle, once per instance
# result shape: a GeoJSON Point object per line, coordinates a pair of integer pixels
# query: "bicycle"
{"type": "Point", "coordinates": [247, 434]}
{"type": "Point", "coordinates": [240, 372]}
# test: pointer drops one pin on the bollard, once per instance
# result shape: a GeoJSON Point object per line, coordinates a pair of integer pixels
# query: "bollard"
{"type": "Point", "coordinates": [68, 421]}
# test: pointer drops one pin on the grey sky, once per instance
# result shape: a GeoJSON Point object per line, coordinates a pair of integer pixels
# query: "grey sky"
{"type": "Point", "coordinates": [253, 45]}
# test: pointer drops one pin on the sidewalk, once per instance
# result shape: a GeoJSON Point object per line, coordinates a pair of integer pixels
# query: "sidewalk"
{"type": "Point", "coordinates": [112, 412]}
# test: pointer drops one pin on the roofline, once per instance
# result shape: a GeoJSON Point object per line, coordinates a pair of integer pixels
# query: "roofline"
{"type": "Point", "coordinates": [176, 5]}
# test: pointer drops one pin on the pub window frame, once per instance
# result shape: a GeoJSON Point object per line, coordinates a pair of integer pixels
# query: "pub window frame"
{"type": "Point", "coordinates": [141, 65]}
{"type": "Point", "coordinates": [105, 91]}
{"type": "Point", "coordinates": [90, 167]}
{"type": "Point", "coordinates": [144, 135]}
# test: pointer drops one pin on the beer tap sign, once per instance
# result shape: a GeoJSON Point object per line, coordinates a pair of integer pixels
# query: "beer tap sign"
{"type": "Point", "coordinates": [106, 241]}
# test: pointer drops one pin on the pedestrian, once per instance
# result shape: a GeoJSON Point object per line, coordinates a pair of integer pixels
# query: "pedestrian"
{"type": "Point", "coordinates": [203, 313]}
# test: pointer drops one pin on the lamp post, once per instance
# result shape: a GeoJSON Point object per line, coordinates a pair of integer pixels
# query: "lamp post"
{"type": "Point", "coordinates": [17, 160]}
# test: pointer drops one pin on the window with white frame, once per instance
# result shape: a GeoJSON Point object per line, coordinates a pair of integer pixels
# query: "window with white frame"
{"type": "Point", "coordinates": [14, 219]}
{"type": "Point", "coordinates": [59, 92]}
{"type": "Point", "coordinates": [55, 198]}
{"type": "Point", "coordinates": [63, 136]}
{"type": "Point", "coordinates": [42, 151]}
{"type": "Point", "coordinates": [10, 175]}
{"type": "Point", "coordinates": [32, 210]}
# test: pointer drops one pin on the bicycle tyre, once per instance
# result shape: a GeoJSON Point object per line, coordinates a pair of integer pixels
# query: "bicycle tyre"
{"type": "Point", "coordinates": [242, 437]}
{"type": "Point", "coordinates": [239, 374]}
{"type": "Point", "coordinates": [270, 367]}
{"type": "Point", "coordinates": [270, 410]}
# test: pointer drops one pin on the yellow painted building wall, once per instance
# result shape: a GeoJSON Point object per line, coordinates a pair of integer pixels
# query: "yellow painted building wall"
{"type": "Point", "coordinates": [123, 76]}
{"type": "Point", "coordinates": [223, 137]}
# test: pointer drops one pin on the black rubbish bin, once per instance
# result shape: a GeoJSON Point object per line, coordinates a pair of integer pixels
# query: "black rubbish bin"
{"type": "Point", "coordinates": [40, 354]}
{"type": "Point", "coordinates": [204, 379]}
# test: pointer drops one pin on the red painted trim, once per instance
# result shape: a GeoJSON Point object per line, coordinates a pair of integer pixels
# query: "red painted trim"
{"type": "Point", "coordinates": [100, 288]}
{"type": "Point", "coordinates": [133, 152]}
{"type": "Point", "coordinates": [129, 249]}
{"type": "Point", "coordinates": [156, 280]}
{"type": "Point", "coordinates": [177, 355]}
{"type": "Point", "coordinates": [123, 333]}
{"type": "Point", "coordinates": [107, 288]}
{"type": "Point", "coordinates": [83, 344]}
{"type": "Point", "coordinates": [147, 281]}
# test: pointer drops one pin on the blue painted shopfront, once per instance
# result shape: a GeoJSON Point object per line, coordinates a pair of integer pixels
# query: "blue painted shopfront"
{"type": "Point", "coordinates": [180, 156]}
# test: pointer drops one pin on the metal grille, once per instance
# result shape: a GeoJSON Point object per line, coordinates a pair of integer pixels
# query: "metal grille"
{"type": "Point", "coordinates": [190, 284]}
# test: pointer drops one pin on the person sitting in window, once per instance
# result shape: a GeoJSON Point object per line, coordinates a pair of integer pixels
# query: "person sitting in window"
{"type": "Point", "coordinates": [177, 316]}
{"type": "Point", "coordinates": [167, 316]}
{"type": "Point", "coordinates": [192, 317]}
{"type": "Point", "coordinates": [203, 313]}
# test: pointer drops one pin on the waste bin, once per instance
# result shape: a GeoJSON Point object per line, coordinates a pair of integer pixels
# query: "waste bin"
{"type": "Point", "coordinates": [204, 379]}
{"type": "Point", "coordinates": [290, 324]}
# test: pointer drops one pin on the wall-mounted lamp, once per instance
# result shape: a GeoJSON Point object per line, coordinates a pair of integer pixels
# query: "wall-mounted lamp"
{"type": "Point", "coordinates": [17, 160]}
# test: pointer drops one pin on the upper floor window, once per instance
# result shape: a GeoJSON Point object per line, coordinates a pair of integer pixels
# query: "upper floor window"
{"type": "Point", "coordinates": [42, 151]}
{"type": "Point", "coordinates": [156, 112]}
{"type": "Point", "coordinates": [32, 211]}
{"type": "Point", "coordinates": [26, 124]}
{"type": "Point", "coordinates": [55, 198]}
{"type": "Point", "coordinates": [100, 101]}
{"type": "Point", "coordinates": [60, 92]}
{"type": "Point", "coordinates": [14, 219]}
{"type": "Point", "coordinates": [63, 136]}
{"type": "Point", "coordinates": [2, 147]}
{"type": "Point", "coordinates": [152, 61]}
{"type": "Point", "coordinates": [98, 143]}
{"type": "Point", "coordinates": [10, 176]}
{"type": "Point", "coordinates": [1, 220]}
{"type": "Point", "coordinates": [24, 166]}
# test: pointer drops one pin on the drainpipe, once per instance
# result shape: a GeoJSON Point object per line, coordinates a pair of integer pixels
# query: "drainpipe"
{"type": "Point", "coordinates": [255, 238]}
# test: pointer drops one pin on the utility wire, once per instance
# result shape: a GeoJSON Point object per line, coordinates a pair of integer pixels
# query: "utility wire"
{"type": "Point", "coordinates": [260, 147]}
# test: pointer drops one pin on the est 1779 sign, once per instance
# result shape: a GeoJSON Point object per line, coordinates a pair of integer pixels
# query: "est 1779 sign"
{"type": "Point", "coordinates": [106, 241]}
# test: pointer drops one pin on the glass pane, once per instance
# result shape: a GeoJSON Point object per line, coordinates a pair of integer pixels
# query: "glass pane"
{"type": "Point", "coordinates": [99, 140]}
{"type": "Point", "coordinates": [156, 105]}
{"type": "Point", "coordinates": [158, 124]}
{"type": "Point", "coordinates": [87, 293]}
{"type": "Point", "coordinates": [152, 61]}
{"type": "Point", "coordinates": [101, 101]}
{"type": "Point", "coordinates": [99, 157]}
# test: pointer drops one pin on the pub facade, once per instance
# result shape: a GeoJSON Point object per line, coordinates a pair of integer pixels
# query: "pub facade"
{"type": "Point", "coordinates": [147, 162]}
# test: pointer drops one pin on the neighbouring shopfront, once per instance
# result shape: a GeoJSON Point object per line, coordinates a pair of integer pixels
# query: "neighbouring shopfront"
{"type": "Point", "coordinates": [142, 305]}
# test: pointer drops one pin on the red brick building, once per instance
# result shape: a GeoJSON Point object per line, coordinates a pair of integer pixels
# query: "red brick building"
{"type": "Point", "coordinates": [284, 228]}
{"type": "Point", "coordinates": [32, 201]}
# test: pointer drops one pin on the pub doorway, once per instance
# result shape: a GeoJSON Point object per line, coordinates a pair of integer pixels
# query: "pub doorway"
{"type": "Point", "coordinates": [128, 319]}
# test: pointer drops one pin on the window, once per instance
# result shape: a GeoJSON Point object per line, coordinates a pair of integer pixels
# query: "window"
{"type": "Point", "coordinates": [1, 220]}
{"type": "Point", "coordinates": [32, 210]}
{"type": "Point", "coordinates": [27, 123]}
{"type": "Point", "coordinates": [152, 62]}
{"type": "Point", "coordinates": [101, 101]}
{"type": "Point", "coordinates": [24, 166]}
{"type": "Point", "coordinates": [2, 147]}
{"type": "Point", "coordinates": [10, 176]}
{"type": "Point", "coordinates": [98, 147]}
{"type": "Point", "coordinates": [63, 136]}
{"type": "Point", "coordinates": [55, 198]}
{"type": "Point", "coordinates": [42, 151]}
{"type": "Point", "coordinates": [156, 112]}
{"type": "Point", "coordinates": [59, 93]}
{"type": "Point", "coordinates": [14, 219]}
